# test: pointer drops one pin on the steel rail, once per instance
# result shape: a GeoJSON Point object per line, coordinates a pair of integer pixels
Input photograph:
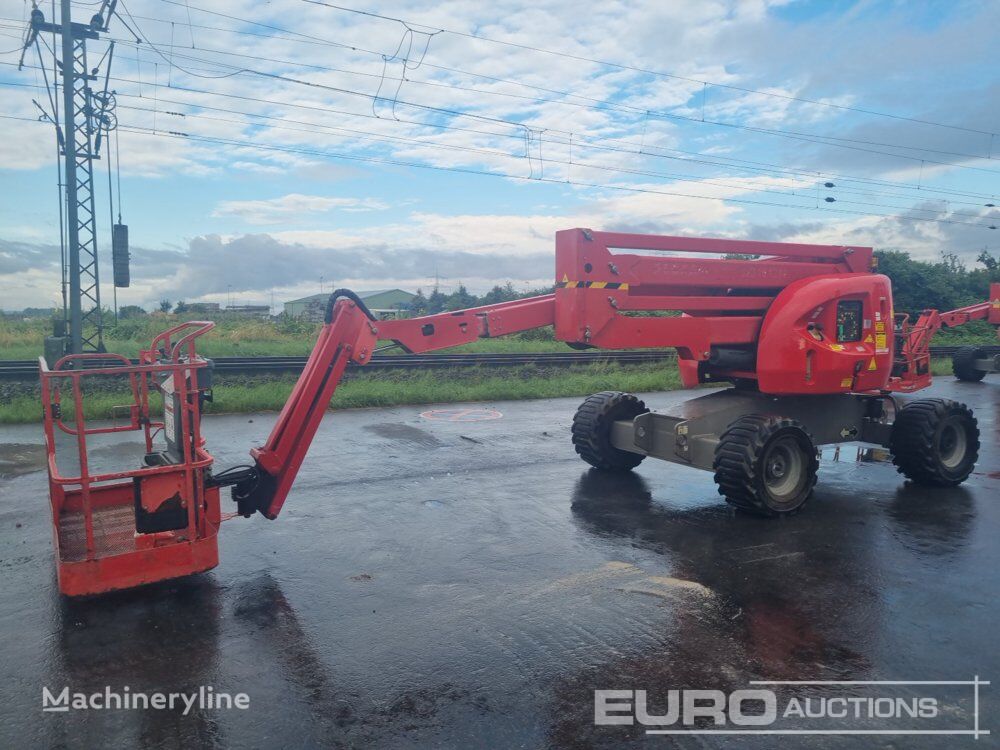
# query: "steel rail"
{"type": "Point", "coordinates": [28, 369]}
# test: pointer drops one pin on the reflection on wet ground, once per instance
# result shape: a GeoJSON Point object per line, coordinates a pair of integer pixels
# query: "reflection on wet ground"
{"type": "Point", "coordinates": [21, 458]}
{"type": "Point", "coordinates": [422, 588]}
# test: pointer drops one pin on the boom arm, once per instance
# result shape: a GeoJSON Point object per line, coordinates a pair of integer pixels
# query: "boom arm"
{"type": "Point", "coordinates": [349, 334]}
{"type": "Point", "coordinates": [607, 296]}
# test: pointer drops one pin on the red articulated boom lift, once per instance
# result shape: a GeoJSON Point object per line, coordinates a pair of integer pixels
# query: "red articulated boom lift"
{"type": "Point", "coordinates": [805, 334]}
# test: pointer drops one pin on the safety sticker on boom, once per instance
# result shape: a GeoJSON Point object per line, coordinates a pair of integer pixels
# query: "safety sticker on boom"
{"type": "Point", "coordinates": [567, 284]}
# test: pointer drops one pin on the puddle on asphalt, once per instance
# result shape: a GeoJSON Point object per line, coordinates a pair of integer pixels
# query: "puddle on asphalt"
{"type": "Point", "coordinates": [21, 458]}
{"type": "Point", "coordinates": [855, 453]}
{"type": "Point", "coordinates": [404, 433]}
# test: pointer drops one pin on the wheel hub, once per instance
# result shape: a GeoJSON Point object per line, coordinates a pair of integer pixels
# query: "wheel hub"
{"type": "Point", "coordinates": [952, 444]}
{"type": "Point", "coordinates": [783, 468]}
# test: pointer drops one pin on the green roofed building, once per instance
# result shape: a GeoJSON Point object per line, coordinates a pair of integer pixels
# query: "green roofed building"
{"type": "Point", "coordinates": [385, 303]}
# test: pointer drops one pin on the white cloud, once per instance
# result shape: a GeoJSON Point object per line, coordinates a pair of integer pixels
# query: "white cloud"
{"type": "Point", "coordinates": [292, 206]}
{"type": "Point", "coordinates": [932, 72]}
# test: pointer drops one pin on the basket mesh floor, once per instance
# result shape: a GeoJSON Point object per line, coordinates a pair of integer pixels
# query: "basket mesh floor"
{"type": "Point", "coordinates": [114, 533]}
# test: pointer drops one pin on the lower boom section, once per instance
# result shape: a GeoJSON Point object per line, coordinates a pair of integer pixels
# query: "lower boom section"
{"type": "Point", "coordinates": [763, 450]}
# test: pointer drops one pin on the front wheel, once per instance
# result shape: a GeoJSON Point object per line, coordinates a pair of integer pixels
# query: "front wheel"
{"type": "Point", "coordinates": [935, 442]}
{"type": "Point", "coordinates": [766, 465]}
{"type": "Point", "coordinates": [592, 425]}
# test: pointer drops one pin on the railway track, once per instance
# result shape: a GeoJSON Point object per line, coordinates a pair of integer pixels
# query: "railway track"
{"type": "Point", "coordinates": [28, 369]}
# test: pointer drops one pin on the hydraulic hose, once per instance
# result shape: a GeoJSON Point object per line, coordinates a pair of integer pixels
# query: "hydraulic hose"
{"type": "Point", "coordinates": [337, 294]}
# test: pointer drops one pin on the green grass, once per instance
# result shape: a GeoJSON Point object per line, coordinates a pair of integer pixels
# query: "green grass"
{"type": "Point", "coordinates": [941, 367]}
{"type": "Point", "coordinates": [390, 389]}
{"type": "Point", "coordinates": [418, 387]}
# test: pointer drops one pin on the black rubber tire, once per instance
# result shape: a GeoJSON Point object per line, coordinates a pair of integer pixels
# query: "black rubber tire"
{"type": "Point", "coordinates": [963, 364]}
{"type": "Point", "coordinates": [592, 430]}
{"type": "Point", "coordinates": [925, 437]}
{"type": "Point", "coordinates": [741, 464]}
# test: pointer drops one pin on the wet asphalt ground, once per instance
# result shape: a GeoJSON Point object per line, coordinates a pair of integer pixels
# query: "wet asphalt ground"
{"type": "Point", "coordinates": [471, 583]}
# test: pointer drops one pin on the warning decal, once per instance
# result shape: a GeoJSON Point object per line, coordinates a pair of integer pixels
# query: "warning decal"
{"type": "Point", "coordinates": [567, 284]}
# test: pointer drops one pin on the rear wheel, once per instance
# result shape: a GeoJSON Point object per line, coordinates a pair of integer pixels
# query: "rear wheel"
{"type": "Point", "coordinates": [592, 430]}
{"type": "Point", "coordinates": [765, 465]}
{"type": "Point", "coordinates": [935, 442]}
{"type": "Point", "coordinates": [963, 363]}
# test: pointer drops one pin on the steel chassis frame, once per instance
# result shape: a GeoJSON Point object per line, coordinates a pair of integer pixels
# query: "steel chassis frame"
{"type": "Point", "coordinates": [689, 433]}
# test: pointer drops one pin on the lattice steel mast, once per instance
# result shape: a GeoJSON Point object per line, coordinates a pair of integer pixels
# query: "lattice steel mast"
{"type": "Point", "coordinates": [84, 111]}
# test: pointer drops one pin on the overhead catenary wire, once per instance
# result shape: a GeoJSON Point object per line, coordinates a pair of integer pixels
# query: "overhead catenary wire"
{"type": "Point", "coordinates": [528, 132]}
{"type": "Point", "coordinates": [792, 135]}
{"type": "Point", "coordinates": [594, 102]}
{"type": "Point", "coordinates": [427, 144]}
{"type": "Point", "coordinates": [525, 128]}
{"type": "Point", "coordinates": [620, 66]}
{"type": "Point", "coordinates": [549, 180]}
{"type": "Point", "coordinates": [748, 187]}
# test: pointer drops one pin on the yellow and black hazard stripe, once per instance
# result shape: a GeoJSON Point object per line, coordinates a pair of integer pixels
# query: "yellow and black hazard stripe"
{"type": "Point", "coordinates": [592, 285]}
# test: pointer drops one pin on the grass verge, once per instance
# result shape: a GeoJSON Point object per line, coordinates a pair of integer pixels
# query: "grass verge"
{"type": "Point", "coordinates": [413, 387]}
{"type": "Point", "coordinates": [392, 389]}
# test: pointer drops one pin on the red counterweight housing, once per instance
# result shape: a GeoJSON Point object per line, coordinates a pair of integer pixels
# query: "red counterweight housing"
{"type": "Point", "coordinates": [829, 334]}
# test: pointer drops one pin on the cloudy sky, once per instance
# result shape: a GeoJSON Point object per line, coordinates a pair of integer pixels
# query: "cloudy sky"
{"type": "Point", "coordinates": [266, 148]}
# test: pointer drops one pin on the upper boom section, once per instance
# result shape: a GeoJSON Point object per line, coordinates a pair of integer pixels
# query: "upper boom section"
{"type": "Point", "coordinates": [608, 295]}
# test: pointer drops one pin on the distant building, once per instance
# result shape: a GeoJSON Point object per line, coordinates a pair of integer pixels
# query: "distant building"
{"type": "Point", "coordinates": [203, 307]}
{"type": "Point", "coordinates": [385, 303]}
{"type": "Point", "coordinates": [249, 311]}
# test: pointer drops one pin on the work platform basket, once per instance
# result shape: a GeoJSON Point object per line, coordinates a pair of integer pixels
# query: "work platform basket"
{"type": "Point", "coordinates": [155, 517]}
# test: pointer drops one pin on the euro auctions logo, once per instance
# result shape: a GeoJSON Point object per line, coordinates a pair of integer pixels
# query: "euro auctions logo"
{"type": "Point", "coordinates": [801, 707]}
{"type": "Point", "coordinates": [205, 698]}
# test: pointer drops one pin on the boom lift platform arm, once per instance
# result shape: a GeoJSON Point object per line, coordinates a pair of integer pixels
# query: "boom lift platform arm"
{"type": "Point", "coordinates": [970, 363]}
{"type": "Point", "coordinates": [804, 332]}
